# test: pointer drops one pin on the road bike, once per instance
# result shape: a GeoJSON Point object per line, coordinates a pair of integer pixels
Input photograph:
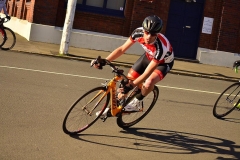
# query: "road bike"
{"type": "Point", "coordinates": [8, 39]}
{"type": "Point", "coordinates": [228, 101]}
{"type": "Point", "coordinates": [83, 113]}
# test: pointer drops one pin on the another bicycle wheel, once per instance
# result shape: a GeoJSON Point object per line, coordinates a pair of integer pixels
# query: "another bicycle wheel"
{"type": "Point", "coordinates": [2, 37]}
{"type": "Point", "coordinates": [128, 120]}
{"type": "Point", "coordinates": [227, 101]}
{"type": "Point", "coordinates": [82, 114]}
{"type": "Point", "coordinates": [10, 39]}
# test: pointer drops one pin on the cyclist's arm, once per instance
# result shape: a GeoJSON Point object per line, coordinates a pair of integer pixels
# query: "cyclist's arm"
{"type": "Point", "coordinates": [120, 50]}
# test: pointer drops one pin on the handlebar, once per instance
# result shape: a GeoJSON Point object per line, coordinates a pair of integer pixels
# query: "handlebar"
{"type": "Point", "coordinates": [119, 72]}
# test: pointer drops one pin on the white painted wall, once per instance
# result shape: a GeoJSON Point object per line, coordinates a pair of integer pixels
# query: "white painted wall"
{"type": "Point", "coordinates": [79, 38]}
{"type": "Point", "coordinates": [218, 58]}
{"type": "Point", "coordinates": [19, 26]}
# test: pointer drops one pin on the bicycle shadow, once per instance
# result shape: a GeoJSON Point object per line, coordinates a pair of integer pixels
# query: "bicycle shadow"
{"type": "Point", "coordinates": [233, 120]}
{"type": "Point", "coordinates": [166, 141]}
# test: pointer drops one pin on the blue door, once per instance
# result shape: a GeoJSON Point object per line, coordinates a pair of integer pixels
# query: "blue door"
{"type": "Point", "coordinates": [184, 27]}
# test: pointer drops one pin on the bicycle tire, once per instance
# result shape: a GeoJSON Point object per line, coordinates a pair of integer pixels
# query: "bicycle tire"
{"type": "Point", "coordinates": [126, 121]}
{"type": "Point", "coordinates": [77, 120]}
{"type": "Point", "coordinates": [10, 39]}
{"type": "Point", "coordinates": [227, 101]}
{"type": "Point", "coordinates": [3, 37]}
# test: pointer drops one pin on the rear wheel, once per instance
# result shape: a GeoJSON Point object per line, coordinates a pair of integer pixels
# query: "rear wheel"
{"type": "Point", "coordinates": [10, 39]}
{"type": "Point", "coordinates": [82, 113]}
{"type": "Point", "coordinates": [126, 120]}
{"type": "Point", "coordinates": [227, 101]}
{"type": "Point", "coordinates": [2, 37]}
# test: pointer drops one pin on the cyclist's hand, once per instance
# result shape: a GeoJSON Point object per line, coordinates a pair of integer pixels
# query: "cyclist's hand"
{"type": "Point", "coordinates": [127, 88]}
{"type": "Point", "coordinates": [94, 64]}
{"type": "Point", "coordinates": [98, 63]}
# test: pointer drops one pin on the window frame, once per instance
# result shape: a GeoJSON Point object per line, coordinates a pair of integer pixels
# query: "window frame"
{"type": "Point", "coordinates": [105, 11]}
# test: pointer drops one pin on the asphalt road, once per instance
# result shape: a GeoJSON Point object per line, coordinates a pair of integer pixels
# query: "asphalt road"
{"type": "Point", "coordinates": [36, 92]}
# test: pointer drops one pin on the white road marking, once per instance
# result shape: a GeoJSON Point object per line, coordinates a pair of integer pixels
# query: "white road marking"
{"type": "Point", "coordinates": [73, 75]}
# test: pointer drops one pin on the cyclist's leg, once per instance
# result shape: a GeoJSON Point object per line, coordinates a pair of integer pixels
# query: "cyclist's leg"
{"type": "Point", "coordinates": [159, 73]}
{"type": "Point", "coordinates": [136, 70]}
{"type": "Point", "coordinates": [139, 67]}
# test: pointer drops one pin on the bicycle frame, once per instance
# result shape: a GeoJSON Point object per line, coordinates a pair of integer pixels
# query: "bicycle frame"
{"type": "Point", "coordinates": [110, 88]}
{"type": "Point", "coordinates": [228, 99]}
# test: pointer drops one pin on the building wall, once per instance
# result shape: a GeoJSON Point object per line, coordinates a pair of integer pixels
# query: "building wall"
{"type": "Point", "coordinates": [226, 28]}
{"type": "Point", "coordinates": [22, 9]}
{"type": "Point", "coordinates": [225, 33]}
{"type": "Point", "coordinates": [97, 22]}
{"type": "Point", "coordinates": [135, 12]}
{"type": "Point", "coordinates": [45, 12]}
{"type": "Point", "coordinates": [229, 37]}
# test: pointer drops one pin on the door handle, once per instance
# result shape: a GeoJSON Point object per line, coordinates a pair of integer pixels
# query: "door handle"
{"type": "Point", "coordinates": [188, 26]}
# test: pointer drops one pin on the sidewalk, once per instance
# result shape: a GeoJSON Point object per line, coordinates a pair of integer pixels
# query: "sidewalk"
{"type": "Point", "coordinates": [180, 67]}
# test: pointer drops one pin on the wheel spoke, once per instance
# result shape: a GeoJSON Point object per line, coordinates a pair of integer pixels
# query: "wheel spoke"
{"type": "Point", "coordinates": [129, 119]}
{"type": "Point", "coordinates": [227, 101]}
{"type": "Point", "coordinates": [82, 114]}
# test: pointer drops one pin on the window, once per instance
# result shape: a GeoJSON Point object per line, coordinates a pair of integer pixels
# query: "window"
{"type": "Point", "coordinates": [109, 7]}
{"type": "Point", "coordinates": [94, 3]}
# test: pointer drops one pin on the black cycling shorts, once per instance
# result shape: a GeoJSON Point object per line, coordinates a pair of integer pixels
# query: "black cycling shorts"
{"type": "Point", "coordinates": [141, 64]}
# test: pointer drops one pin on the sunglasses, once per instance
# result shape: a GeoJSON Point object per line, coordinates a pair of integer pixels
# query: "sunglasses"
{"type": "Point", "coordinates": [152, 34]}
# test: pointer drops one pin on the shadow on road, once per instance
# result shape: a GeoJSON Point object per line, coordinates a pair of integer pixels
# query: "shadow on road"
{"type": "Point", "coordinates": [166, 141]}
{"type": "Point", "coordinates": [234, 120]}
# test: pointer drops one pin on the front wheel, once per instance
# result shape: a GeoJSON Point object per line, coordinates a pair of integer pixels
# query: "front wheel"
{"type": "Point", "coordinates": [127, 120]}
{"type": "Point", "coordinates": [82, 113]}
{"type": "Point", "coordinates": [227, 101]}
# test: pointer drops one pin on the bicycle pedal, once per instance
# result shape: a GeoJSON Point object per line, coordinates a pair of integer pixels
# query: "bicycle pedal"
{"type": "Point", "coordinates": [104, 118]}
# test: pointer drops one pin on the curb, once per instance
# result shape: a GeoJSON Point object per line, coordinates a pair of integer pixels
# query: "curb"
{"type": "Point", "coordinates": [128, 65]}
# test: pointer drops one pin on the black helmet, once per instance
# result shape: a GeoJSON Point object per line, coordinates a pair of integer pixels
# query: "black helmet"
{"type": "Point", "coordinates": [152, 24]}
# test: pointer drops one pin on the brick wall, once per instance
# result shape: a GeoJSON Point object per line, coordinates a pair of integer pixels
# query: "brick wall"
{"type": "Point", "coordinates": [229, 37]}
{"type": "Point", "coordinates": [134, 14]}
{"type": "Point", "coordinates": [97, 22]}
{"type": "Point", "coordinates": [22, 9]}
{"type": "Point", "coordinates": [140, 10]}
{"type": "Point", "coordinates": [226, 28]}
{"type": "Point", "coordinates": [212, 9]}
{"type": "Point", "coordinates": [225, 32]}
{"type": "Point", "coordinates": [45, 12]}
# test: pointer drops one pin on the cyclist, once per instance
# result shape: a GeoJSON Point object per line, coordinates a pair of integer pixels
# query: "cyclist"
{"type": "Point", "coordinates": [3, 6]}
{"type": "Point", "coordinates": [236, 64]}
{"type": "Point", "coordinates": [152, 66]}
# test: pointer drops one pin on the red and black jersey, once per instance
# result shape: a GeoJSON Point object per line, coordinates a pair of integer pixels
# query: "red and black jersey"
{"type": "Point", "coordinates": [160, 50]}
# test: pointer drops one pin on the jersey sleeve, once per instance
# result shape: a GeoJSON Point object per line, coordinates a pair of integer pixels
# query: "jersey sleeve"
{"type": "Point", "coordinates": [136, 34]}
{"type": "Point", "coordinates": [159, 51]}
